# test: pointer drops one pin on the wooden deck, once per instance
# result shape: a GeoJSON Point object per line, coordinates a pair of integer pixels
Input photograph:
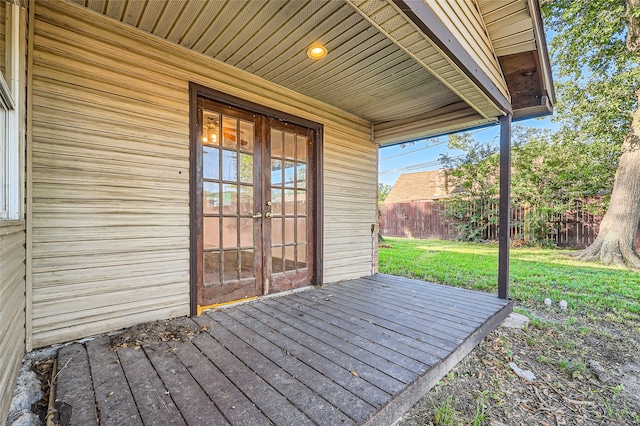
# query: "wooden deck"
{"type": "Point", "coordinates": [357, 352]}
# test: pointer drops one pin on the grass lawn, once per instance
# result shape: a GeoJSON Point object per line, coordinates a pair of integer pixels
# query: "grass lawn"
{"type": "Point", "coordinates": [595, 290]}
{"type": "Point", "coordinates": [586, 359]}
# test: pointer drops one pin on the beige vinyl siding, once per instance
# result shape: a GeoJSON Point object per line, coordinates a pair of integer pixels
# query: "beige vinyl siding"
{"type": "Point", "coordinates": [12, 303]}
{"type": "Point", "coordinates": [111, 173]}
{"type": "Point", "coordinates": [509, 24]}
{"type": "Point", "coordinates": [463, 19]}
{"type": "Point", "coordinates": [12, 251]}
{"type": "Point", "coordinates": [350, 207]}
{"type": "Point", "coordinates": [3, 31]}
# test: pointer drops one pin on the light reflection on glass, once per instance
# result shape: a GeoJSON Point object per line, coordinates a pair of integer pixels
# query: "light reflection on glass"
{"type": "Point", "coordinates": [276, 143]}
{"type": "Point", "coordinates": [276, 172]}
{"type": "Point", "coordinates": [229, 165]}
{"type": "Point", "coordinates": [210, 128]}
{"type": "Point", "coordinates": [246, 136]}
{"type": "Point", "coordinates": [289, 145]}
{"type": "Point", "coordinates": [289, 173]}
{"type": "Point", "coordinates": [210, 163]}
{"type": "Point", "coordinates": [210, 197]}
{"type": "Point", "coordinates": [229, 132]}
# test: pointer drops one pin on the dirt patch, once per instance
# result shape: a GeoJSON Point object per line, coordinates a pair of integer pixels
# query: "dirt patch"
{"type": "Point", "coordinates": [630, 380]}
{"type": "Point", "coordinates": [157, 331]}
{"type": "Point", "coordinates": [562, 352]}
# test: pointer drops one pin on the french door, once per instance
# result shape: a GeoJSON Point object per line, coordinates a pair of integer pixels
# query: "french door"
{"type": "Point", "coordinates": [254, 197]}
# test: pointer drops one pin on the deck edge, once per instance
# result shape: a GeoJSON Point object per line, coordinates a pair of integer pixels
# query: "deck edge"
{"type": "Point", "coordinates": [401, 403]}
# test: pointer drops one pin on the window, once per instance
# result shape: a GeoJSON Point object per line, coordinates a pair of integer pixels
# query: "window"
{"type": "Point", "coordinates": [10, 166]}
{"type": "Point", "coordinates": [7, 204]}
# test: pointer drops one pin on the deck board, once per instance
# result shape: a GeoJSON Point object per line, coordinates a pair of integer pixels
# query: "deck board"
{"type": "Point", "coordinates": [439, 314]}
{"type": "Point", "coordinates": [195, 406]}
{"type": "Point", "coordinates": [273, 404]}
{"type": "Point", "coordinates": [356, 408]}
{"type": "Point", "coordinates": [376, 314]}
{"type": "Point", "coordinates": [112, 393]}
{"type": "Point", "coordinates": [405, 345]}
{"type": "Point", "coordinates": [149, 392]}
{"type": "Point", "coordinates": [325, 366]}
{"type": "Point", "coordinates": [359, 352]}
{"type": "Point", "coordinates": [402, 314]}
{"type": "Point", "coordinates": [233, 404]}
{"type": "Point", "coordinates": [355, 336]}
{"type": "Point", "coordinates": [312, 404]}
{"type": "Point", "coordinates": [437, 295]}
{"type": "Point", "coordinates": [369, 366]}
{"type": "Point", "coordinates": [75, 399]}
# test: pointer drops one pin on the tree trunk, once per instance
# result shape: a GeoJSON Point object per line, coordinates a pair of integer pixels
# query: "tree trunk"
{"type": "Point", "coordinates": [616, 241]}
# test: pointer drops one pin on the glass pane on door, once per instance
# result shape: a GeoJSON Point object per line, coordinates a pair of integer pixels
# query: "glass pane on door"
{"type": "Point", "coordinates": [289, 154]}
{"type": "Point", "coordinates": [228, 192]}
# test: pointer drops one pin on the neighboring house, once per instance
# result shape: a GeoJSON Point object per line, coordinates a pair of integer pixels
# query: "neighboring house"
{"type": "Point", "coordinates": [409, 209]}
{"type": "Point", "coordinates": [162, 157]}
{"type": "Point", "coordinates": [421, 186]}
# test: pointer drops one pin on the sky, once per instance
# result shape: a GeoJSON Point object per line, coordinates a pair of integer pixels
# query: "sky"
{"type": "Point", "coordinates": [424, 154]}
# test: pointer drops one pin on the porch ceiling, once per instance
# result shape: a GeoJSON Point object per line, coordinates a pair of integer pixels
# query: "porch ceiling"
{"type": "Point", "coordinates": [380, 67]}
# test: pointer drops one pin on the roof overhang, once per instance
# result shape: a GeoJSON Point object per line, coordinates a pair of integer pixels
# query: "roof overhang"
{"type": "Point", "coordinates": [517, 34]}
{"type": "Point", "coordinates": [410, 68]}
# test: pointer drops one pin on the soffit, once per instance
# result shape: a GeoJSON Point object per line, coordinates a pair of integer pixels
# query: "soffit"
{"type": "Point", "coordinates": [379, 67]}
{"type": "Point", "coordinates": [509, 24]}
{"type": "Point", "coordinates": [517, 36]}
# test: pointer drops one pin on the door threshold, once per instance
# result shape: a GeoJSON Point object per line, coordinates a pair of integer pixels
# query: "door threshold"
{"type": "Point", "coordinates": [201, 309]}
{"type": "Point", "coordinates": [223, 305]}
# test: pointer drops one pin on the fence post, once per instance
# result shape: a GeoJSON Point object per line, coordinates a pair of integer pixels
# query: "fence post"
{"type": "Point", "coordinates": [505, 195]}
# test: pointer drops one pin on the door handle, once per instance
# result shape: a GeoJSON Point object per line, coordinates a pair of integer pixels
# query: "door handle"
{"type": "Point", "coordinates": [268, 215]}
{"type": "Point", "coordinates": [257, 215]}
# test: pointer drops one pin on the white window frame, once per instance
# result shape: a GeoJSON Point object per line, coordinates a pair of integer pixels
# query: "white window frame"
{"type": "Point", "coordinates": [10, 205]}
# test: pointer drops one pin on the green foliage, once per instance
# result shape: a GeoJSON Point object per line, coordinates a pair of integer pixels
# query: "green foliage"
{"type": "Point", "coordinates": [598, 74]}
{"type": "Point", "coordinates": [548, 175]}
{"type": "Point", "coordinates": [474, 179]}
{"type": "Point", "coordinates": [551, 172]}
{"type": "Point", "coordinates": [589, 36]}
{"type": "Point", "coordinates": [574, 368]}
{"type": "Point", "coordinates": [480, 414]}
{"type": "Point", "coordinates": [445, 413]}
{"type": "Point", "coordinates": [383, 191]}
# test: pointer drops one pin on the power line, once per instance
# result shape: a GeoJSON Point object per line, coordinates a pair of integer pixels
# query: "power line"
{"type": "Point", "coordinates": [415, 150]}
{"type": "Point", "coordinates": [438, 142]}
{"type": "Point", "coordinates": [418, 166]}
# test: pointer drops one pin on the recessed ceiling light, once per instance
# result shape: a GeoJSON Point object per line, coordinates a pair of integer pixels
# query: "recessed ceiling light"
{"type": "Point", "coordinates": [317, 51]}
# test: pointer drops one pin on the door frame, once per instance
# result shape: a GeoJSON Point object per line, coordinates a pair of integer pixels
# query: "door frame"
{"type": "Point", "coordinates": [195, 170]}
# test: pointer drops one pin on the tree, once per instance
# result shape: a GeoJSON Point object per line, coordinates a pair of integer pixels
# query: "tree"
{"type": "Point", "coordinates": [596, 53]}
{"type": "Point", "coordinates": [550, 174]}
{"type": "Point", "coordinates": [473, 177]}
{"type": "Point", "coordinates": [383, 191]}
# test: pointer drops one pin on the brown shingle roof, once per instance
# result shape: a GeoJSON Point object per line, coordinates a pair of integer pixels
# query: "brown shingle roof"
{"type": "Point", "coordinates": [419, 186]}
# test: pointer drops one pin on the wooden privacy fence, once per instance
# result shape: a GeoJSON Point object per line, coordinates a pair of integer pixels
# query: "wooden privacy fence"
{"type": "Point", "coordinates": [423, 219]}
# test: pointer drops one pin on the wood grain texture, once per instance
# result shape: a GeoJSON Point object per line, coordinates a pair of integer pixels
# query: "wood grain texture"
{"type": "Point", "coordinates": [303, 358]}
{"type": "Point", "coordinates": [151, 395]}
{"type": "Point", "coordinates": [111, 169]}
{"type": "Point", "coordinates": [345, 401]}
{"type": "Point", "coordinates": [191, 400]}
{"type": "Point", "coordinates": [113, 396]}
{"type": "Point", "coordinates": [74, 385]}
